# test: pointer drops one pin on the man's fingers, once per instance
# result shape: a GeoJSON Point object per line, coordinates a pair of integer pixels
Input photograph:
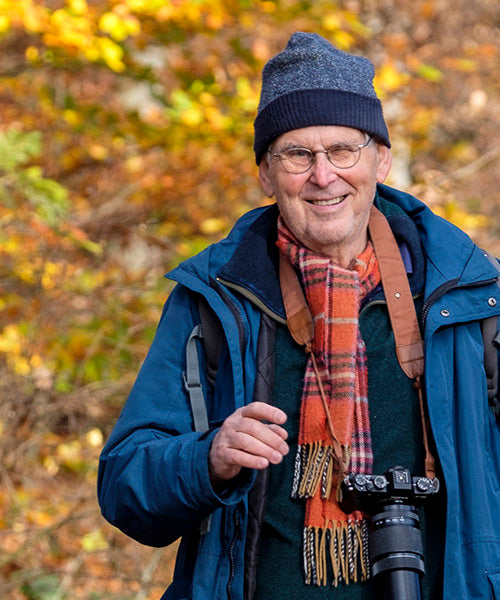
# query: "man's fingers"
{"type": "Point", "coordinates": [279, 430]}
{"type": "Point", "coordinates": [263, 412]}
{"type": "Point", "coordinates": [257, 447]}
{"type": "Point", "coordinates": [251, 437]}
{"type": "Point", "coordinates": [240, 459]}
{"type": "Point", "coordinates": [270, 435]}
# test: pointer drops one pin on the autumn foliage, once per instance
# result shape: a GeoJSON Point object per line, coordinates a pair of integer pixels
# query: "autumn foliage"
{"type": "Point", "coordinates": [125, 146]}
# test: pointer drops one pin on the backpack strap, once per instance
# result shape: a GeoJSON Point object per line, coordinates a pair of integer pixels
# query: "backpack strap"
{"type": "Point", "coordinates": [490, 329]}
{"type": "Point", "coordinates": [491, 340]}
{"type": "Point", "coordinates": [192, 381]}
{"type": "Point", "coordinates": [210, 334]}
{"type": "Point", "coordinates": [212, 338]}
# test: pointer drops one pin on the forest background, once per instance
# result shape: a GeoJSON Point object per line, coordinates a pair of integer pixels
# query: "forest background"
{"type": "Point", "coordinates": [125, 146]}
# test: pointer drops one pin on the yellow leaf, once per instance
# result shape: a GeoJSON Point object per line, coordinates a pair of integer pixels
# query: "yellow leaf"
{"type": "Point", "coordinates": [430, 72]}
{"type": "Point", "coordinates": [32, 53]}
{"type": "Point", "coordinates": [72, 117]}
{"type": "Point", "coordinates": [52, 272]}
{"type": "Point", "coordinates": [94, 540]}
{"type": "Point", "coordinates": [20, 365]}
{"type": "Point", "coordinates": [26, 272]}
{"type": "Point", "coordinates": [111, 23]}
{"type": "Point", "coordinates": [217, 120]}
{"type": "Point", "coordinates": [211, 226]}
{"type": "Point", "coordinates": [343, 39]}
{"type": "Point", "coordinates": [79, 7]}
{"type": "Point", "coordinates": [69, 452]}
{"type": "Point", "coordinates": [207, 99]}
{"type": "Point", "coordinates": [10, 340]}
{"type": "Point", "coordinates": [97, 152]}
{"type": "Point", "coordinates": [390, 79]}
{"type": "Point", "coordinates": [4, 23]}
{"type": "Point", "coordinates": [36, 361]}
{"type": "Point", "coordinates": [40, 517]}
{"type": "Point", "coordinates": [51, 465]}
{"type": "Point", "coordinates": [133, 25]}
{"type": "Point", "coordinates": [134, 164]}
{"type": "Point", "coordinates": [268, 7]}
{"type": "Point", "coordinates": [94, 437]}
{"type": "Point", "coordinates": [331, 22]}
{"type": "Point", "coordinates": [192, 117]}
{"type": "Point", "coordinates": [111, 53]}
{"type": "Point", "coordinates": [92, 54]}
{"type": "Point", "coordinates": [215, 22]}
{"type": "Point", "coordinates": [33, 16]}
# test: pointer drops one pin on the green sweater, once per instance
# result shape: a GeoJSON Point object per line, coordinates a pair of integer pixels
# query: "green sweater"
{"type": "Point", "coordinates": [396, 439]}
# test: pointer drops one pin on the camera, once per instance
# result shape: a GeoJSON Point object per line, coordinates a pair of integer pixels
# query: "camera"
{"type": "Point", "coordinates": [395, 545]}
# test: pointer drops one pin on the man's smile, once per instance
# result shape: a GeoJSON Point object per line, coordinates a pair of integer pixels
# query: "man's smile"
{"type": "Point", "coordinates": [329, 201]}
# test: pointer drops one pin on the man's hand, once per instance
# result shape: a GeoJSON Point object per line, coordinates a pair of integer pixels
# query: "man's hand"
{"type": "Point", "coordinates": [245, 441]}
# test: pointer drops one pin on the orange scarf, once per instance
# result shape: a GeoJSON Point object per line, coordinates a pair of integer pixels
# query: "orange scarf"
{"type": "Point", "coordinates": [334, 295]}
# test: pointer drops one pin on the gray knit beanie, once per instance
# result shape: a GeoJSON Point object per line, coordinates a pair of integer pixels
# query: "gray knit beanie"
{"type": "Point", "coordinates": [313, 83]}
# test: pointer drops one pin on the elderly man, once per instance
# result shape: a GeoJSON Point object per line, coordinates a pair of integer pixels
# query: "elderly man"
{"type": "Point", "coordinates": [317, 304]}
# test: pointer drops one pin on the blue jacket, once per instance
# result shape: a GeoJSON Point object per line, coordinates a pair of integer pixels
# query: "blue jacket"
{"type": "Point", "coordinates": [153, 475]}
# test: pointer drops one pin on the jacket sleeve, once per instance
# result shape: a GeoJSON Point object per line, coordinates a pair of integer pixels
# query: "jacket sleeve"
{"type": "Point", "coordinates": [153, 480]}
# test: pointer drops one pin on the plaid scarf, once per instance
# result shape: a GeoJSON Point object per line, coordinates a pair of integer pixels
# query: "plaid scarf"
{"type": "Point", "coordinates": [334, 295]}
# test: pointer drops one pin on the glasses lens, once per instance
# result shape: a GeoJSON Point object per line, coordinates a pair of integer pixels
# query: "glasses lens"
{"type": "Point", "coordinates": [343, 157]}
{"type": "Point", "coordinates": [297, 160]}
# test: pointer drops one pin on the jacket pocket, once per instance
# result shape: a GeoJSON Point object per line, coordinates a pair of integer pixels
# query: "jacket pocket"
{"type": "Point", "coordinates": [494, 581]}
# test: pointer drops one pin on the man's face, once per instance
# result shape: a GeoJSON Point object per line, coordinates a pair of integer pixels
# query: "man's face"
{"type": "Point", "coordinates": [327, 208]}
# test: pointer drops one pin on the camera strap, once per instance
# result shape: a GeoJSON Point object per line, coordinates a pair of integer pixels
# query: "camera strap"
{"type": "Point", "coordinates": [402, 314]}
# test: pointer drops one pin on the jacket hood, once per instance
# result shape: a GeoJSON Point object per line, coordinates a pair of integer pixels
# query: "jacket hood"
{"type": "Point", "coordinates": [207, 263]}
{"type": "Point", "coordinates": [450, 253]}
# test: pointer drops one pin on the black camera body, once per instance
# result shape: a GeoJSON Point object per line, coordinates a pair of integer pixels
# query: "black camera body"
{"type": "Point", "coordinates": [395, 545]}
{"type": "Point", "coordinates": [396, 485]}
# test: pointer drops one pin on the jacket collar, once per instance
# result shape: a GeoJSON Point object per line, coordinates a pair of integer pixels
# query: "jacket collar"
{"type": "Point", "coordinates": [254, 264]}
{"type": "Point", "coordinates": [247, 258]}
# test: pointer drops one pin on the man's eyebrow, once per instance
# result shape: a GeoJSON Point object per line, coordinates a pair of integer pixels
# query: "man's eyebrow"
{"type": "Point", "coordinates": [341, 143]}
{"type": "Point", "coordinates": [289, 145]}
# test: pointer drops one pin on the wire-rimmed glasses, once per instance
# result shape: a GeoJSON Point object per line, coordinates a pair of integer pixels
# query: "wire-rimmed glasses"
{"type": "Point", "coordinates": [299, 160]}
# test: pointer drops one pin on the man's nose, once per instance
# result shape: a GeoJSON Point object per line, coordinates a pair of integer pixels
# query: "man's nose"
{"type": "Point", "coordinates": [322, 171]}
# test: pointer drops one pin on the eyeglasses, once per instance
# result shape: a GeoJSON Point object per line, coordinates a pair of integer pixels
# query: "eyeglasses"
{"type": "Point", "coordinates": [300, 160]}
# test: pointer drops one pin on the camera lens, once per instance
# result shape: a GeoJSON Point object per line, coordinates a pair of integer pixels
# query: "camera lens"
{"type": "Point", "coordinates": [395, 542]}
{"type": "Point", "coordinates": [396, 551]}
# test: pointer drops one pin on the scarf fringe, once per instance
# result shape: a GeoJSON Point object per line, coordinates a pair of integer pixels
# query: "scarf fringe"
{"type": "Point", "coordinates": [345, 545]}
{"type": "Point", "coordinates": [316, 465]}
{"type": "Point", "coordinates": [313, 465]}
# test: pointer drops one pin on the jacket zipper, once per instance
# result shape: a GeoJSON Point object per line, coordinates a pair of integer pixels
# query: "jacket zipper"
{"type": "Point", "coordinates": [234, 311]}
{"type": "Point", "coordinates": [253, 299]}
{"type": "Point", "coordinates": [445, 288]}
{"type": "Point", "coordinates": [232, 545]}
{"type": "Point", "coordinates": [434, 297]}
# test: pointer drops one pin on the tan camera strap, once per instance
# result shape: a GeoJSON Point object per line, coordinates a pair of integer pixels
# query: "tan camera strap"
{"type": "Point", "coordinates": [402, 314]}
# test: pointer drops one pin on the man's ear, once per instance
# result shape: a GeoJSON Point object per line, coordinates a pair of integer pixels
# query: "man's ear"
{"type": "Point", "coordinates": [384, 162]}
{"type": "Point", "coordinates": [265, 179]}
